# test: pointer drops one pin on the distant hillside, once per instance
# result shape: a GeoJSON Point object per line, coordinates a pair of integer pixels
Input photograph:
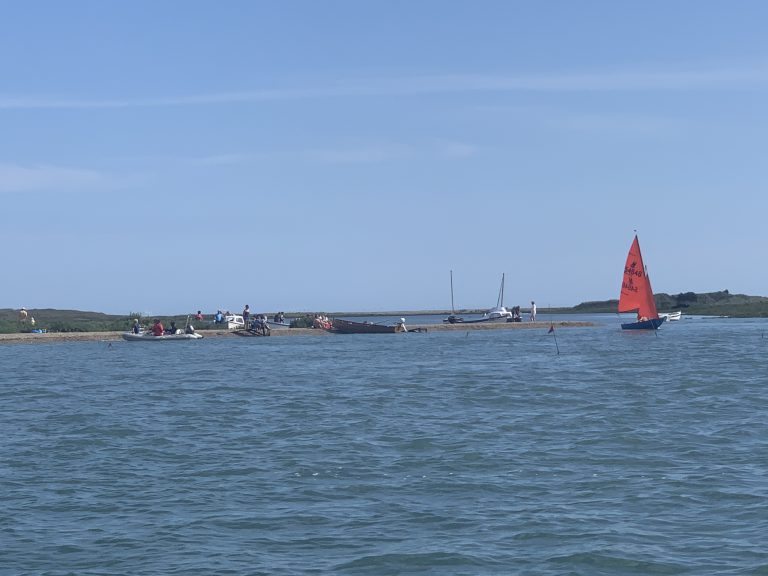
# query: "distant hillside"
{"type": "Point", "coordinates": [62, 321]}
{"type": "Point", "coordinates": [721, 303]}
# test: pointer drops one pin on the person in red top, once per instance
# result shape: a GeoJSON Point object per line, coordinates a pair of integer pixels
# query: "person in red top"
{"type": "Point", "coordinates": [157, 328]}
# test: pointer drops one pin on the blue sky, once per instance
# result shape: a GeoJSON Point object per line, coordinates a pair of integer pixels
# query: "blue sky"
{"type": "Point", "coordinates": [342, 155]}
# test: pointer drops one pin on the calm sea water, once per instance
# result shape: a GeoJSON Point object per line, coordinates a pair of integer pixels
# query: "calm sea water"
{"type": "Point", "coordinates": [437, 453]}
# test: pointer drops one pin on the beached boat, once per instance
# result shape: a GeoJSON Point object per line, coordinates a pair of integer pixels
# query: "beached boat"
{"type": "Point", "coordinates": [279, 320]}
{"type": "Point", "coordinates": [636, 293]}
{"type": "Point", "coordinates": [149, 337]}
{"type": "Point", "coordinates": [671, 316]}
{"type": "Point", "coordinates": [264, 331]}
{"type": "Point", "coordinates": [349, 327]}
{"type": "Point", "coordinates": [453, 319]}
{"type": "Point", "coordinates": [234, 322]}
{"type": "Point", "coordinates": [496, 314]}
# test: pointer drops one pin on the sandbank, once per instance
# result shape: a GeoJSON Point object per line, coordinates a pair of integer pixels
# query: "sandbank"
{"type": "Point", "coordinates": [32, 338]}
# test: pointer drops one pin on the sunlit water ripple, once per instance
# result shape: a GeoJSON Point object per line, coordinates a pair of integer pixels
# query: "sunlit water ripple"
{"type": "Point", "coordinates": [437, 453]}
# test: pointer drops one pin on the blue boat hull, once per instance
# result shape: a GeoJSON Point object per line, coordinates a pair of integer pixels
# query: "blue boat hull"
{"type": "Point", "coordinates": [652, 324]}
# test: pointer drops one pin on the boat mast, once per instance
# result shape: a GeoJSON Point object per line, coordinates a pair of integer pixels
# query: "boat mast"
{"type": "Point", "coordinates": [452, 310]}
{"type": "Point", "coordinates": [500, 301]}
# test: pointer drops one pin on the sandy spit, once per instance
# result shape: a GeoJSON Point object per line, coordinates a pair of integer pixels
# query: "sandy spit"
{"type": "Point", "coordinates": [115, 336]}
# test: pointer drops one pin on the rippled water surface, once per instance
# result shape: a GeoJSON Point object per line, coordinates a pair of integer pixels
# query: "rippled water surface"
{"type": "Point", "coordinates": [438, 453]}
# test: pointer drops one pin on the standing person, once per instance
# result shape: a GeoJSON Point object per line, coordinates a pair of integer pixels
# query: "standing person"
{"type": "Point", "coordinates": [199, 316]}
{"type": "Point", "coordinates": [246, 315]}
{"type": "Point", "coordinates": [533, 311]}
{"type": "Point", "coordinates": [136, 326]}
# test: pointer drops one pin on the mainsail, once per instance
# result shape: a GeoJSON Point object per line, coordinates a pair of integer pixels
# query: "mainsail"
{"type": "Point", "coordinates": [636, 293]}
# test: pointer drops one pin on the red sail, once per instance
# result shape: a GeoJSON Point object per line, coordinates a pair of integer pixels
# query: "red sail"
{"type": "Point", "coordinates": [636, 293]}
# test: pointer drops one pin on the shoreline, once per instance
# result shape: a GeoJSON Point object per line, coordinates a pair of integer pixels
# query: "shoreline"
{"type": "Point", "coordinates": [48, 337]}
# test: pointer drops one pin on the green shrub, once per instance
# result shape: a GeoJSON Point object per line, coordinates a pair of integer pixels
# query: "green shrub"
{"type": "Point", "coordinates": [303, 321]}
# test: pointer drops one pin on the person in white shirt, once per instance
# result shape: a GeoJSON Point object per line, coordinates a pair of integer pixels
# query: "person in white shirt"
{"type": "Point", "coordinates": [533, 311]}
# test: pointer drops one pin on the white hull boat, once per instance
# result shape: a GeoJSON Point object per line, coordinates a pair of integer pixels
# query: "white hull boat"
{"type": "Point", "coordinates": [235, 322]}
{"type": "Point", "coordinates": [497, 314]}
{"type": "Point", "coordinates": [149, 337]}
{"type": "Point", "coordinates": [671, 316]}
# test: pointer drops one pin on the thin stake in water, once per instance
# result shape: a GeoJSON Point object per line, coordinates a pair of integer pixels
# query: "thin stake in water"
{"type": "Point", "coordinates": [552, 331]}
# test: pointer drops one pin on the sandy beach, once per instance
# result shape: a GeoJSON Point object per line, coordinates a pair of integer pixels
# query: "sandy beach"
{"type": "Point", "coordinates": [28, 338]}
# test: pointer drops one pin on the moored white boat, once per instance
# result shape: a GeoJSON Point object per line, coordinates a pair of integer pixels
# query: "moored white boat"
{"type": "Point", "coordinates": [497, 314]}
{"type": "Point", "coordinates": [671, 316]}
{"type": "Point", "coordinates": [149, 337]}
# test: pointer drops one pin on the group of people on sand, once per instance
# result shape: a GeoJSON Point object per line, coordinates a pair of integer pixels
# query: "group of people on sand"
{"type": "Point", "coordinates": [219, 317]}
{"type": "Point", "coordinates": [321, 321]}
{"type": "Point", "coordinates": [517, 315]}
{"type": "Point", "coordinates": [258, 324]}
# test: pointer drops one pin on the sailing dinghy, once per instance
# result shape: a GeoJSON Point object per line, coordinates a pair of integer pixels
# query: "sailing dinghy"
{"type": "Point", "coordinates": [453, 319]}
{"type": "Point", "coordinates": [636, 294]}
{"type": "Point", "coordinates": [497, 314]}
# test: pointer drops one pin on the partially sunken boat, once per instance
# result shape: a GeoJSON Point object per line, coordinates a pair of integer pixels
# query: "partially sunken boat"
{"type": "Point", "coordinates": [349, 327]}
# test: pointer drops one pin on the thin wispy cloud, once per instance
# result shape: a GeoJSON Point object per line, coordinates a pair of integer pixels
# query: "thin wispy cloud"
{"type": "Point", "coordinates": [376, 154]}
{"type": "Point", "coordinates": [667, 79]}
{"type": "Point", "coordinates": [454, 149]}
{"type": "Point", "coordinates": [358, 155]}
{"type": "Point", "coordinates": [660, 80]}
{"type": "Point", "coordinates": [226, 159]}
{"type": "Point", "coordinates": [638, 125]}
{"type": "Point", "coordinates": [17, 178]}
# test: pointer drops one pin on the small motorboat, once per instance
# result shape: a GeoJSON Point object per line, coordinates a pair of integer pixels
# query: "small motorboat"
{"type": "Point", "coordinates": [149, 337]}
{"type": "Point", "coordinates": [279, 320]}
{"type": "Point", "coordinates": [235, 322]}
